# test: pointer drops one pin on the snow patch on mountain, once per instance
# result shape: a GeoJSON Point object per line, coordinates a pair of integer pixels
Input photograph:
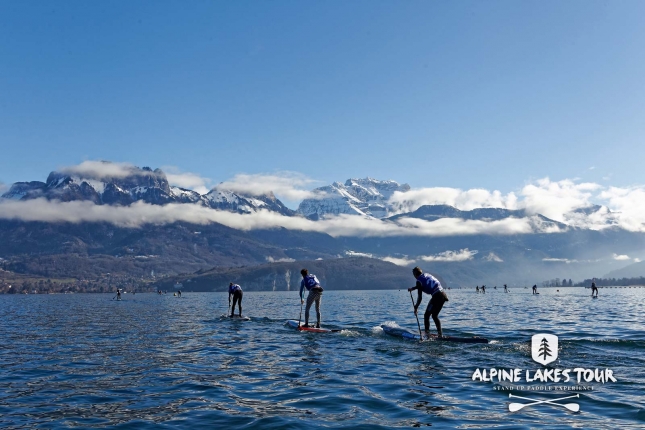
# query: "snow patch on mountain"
{"type": "Point", "coordinates": [366, 197]}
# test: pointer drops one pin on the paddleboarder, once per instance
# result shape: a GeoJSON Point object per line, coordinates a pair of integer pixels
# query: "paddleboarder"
{"type": "Point", "coordinates": [594, 289]}
{"type": "Point", "coordinates": [235, 291]}
{"type": "Point", "coordinates": [483, 289]}
{"type": "Point", "coordinates": [535, 289]}
{"type": "Point", "coordinates": [505, 288]}
{"type": "Point", "coordinates": [477, 289]}
{"type": "Point", "coordinates": [312, 284]}
{"type": "Point", "coordinates": [118, 294]}
{"type": "Point", "coordinates": [426, 283]}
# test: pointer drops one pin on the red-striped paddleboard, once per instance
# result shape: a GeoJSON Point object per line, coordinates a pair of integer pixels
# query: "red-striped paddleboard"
{"type": "Point", "coordinates": [294, 324]}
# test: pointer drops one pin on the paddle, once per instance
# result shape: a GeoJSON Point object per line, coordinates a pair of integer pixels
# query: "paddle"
{"type": "Point", "coordinates": [300, 317]}
{"type": "Point", "coordinates": [514, 407]}
{"type": "Point", "coordinates": [417, 316]}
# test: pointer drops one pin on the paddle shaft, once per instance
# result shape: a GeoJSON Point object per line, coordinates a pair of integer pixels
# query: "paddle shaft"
{"type": "Point", "coordinates": [300, 317]}
{"type": "Point", "coordinates": [417, 316]}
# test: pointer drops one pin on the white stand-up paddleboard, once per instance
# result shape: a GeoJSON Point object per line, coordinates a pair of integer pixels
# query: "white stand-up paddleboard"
{"type": "Point", "coordinates": [238, 318]}
{"type": "Point", "coordinates": [406, 334]}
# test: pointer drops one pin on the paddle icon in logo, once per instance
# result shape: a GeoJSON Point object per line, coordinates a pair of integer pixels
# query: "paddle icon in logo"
{"type": "Point", "coordinates": [544, 348]}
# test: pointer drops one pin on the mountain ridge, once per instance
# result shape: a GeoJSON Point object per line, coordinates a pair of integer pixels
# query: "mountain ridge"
{"type": "Point", "coordinates": [141, 185]}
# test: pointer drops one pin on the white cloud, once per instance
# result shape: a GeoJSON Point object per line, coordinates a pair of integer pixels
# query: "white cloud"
{"type": "Point", "coordinates": [280, 260]}
{"type": "Point", "coordinates": [351, 253]}
{"type": "Point", "coordinates": [592, 168]}
{"type": "Point", "coordinates": [3, 188]}
{"type": "Point", "coordinates": [187, 180]}
{"type": "Point", "coordinates": [621, 257]}
{"type": "Point", "coordinates": [558, 200]}
{"type": "Point", "coordinates": [287, 185]}
{"type": "Point", "coordinates": [555, 199]}
{"type": "Point", "coordinates": [559, 260]}
{"type": "Point", "coordinates": [629, 205]}
{"type": "Point", "coordinates": [637, 260]}
{"type": "Point", "coordinates": [399, 261]}
{"type": "Point", "coordinates": [141, 213]}
{"type": "Point", "coordinates": [493, 257]}
{"type": "Point", "coordinates": [451, 256]}
{"type": "Point", "coordinates": [463, 200]}
{"type": "Point", "coordinates": [101, 169]}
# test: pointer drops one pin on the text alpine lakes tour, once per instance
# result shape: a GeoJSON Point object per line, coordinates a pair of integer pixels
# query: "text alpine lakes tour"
{"type": "Point", "coordinates": [545, 375]}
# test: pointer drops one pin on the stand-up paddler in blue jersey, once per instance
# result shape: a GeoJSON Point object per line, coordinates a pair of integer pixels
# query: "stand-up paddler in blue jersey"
{"type": "Point", "coordinates": [312, 284]}
{"type": "Point", "coordinates": [426, 283]}
{"type": "Point", "coordinates": [235, 291]}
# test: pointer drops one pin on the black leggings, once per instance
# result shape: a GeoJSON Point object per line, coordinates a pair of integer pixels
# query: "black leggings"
{"type": "Point", "coordinates": [434, 307]}
{"type": "Point", "coordinates": [237, 298]}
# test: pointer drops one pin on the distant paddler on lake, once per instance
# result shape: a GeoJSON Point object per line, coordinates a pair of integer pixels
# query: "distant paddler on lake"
{"type": "Point", "coordinates": [235, 291]}
{"type": "Point", "coordinates": [426, 283]}
{"type": "Point", "coordinates": [594, 289]}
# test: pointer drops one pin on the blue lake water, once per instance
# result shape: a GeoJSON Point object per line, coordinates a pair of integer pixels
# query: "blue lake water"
{"type": "Point", "coordinates": [149, 361]}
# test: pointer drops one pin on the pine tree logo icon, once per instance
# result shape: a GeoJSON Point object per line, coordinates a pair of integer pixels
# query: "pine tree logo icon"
{"type": "Point", "coordinates": [544, 348]}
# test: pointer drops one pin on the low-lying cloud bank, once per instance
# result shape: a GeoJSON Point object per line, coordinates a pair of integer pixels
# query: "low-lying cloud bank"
{"type": "Point", "coordinates": [451, 256]}
{"type": "Point", "coordinates": [566, 201]}
{"type": "Point", "coordinates": [139, 214]}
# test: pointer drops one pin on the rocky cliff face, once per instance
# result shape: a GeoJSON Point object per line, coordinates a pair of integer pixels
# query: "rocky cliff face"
{"type": "Point", "coordinates": [367, 197]}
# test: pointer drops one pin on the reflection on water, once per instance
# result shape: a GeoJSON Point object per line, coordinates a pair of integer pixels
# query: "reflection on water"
{"type": "Point", "coordinates": [153, 361]}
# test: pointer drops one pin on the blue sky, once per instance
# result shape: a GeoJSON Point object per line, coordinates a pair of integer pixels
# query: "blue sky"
{"type": "Point", "coordinates": [454, 94]}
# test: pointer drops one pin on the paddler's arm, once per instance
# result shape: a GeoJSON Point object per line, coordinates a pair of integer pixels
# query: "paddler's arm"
{"type": "Point", "coordinates": [419, 298]}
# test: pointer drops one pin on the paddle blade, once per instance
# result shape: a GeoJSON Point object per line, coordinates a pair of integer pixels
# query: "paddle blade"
{"type": "Point", "coordinates": [573, 407]}
{"type": "Point", "coordinates": [514, 407]}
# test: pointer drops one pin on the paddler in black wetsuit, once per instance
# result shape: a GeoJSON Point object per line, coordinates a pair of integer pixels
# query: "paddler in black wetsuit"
{"type": "Point", "coordinates": [426, 283]}
{"type": "Point", "coordinates": [505, 288]}
{"type": "Point", "coordinates": [594, 289]}
{"type": "Point", "coordinates": [235, 291]}
{"type": "Point", "coordinates": [312, 284]}
{"type": "Point", "coordinates": [483, 289]}
{"type": "Point", "coordinates": [118, 294]}
{"type": "Point", "coordinates": [535, 289]}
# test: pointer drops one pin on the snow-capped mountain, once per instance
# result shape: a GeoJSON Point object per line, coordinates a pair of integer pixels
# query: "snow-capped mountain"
{"type": "Point", "coordinates": [367, 197]}
{"type": "Point", "coordinates": [142, 185]}
{"type": "Point", "coordinates": [232, 201]}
